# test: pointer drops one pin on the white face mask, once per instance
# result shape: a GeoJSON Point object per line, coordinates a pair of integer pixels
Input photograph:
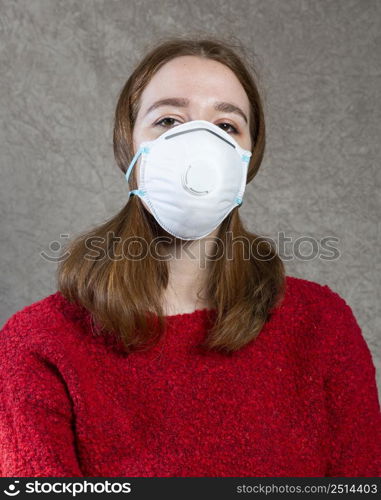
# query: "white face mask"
{"type": "Point", "coordinates": [191, 177]}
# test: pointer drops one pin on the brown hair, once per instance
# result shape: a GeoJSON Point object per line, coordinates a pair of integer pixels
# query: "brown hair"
{"type": "Point", "coordinates": [122, 293]}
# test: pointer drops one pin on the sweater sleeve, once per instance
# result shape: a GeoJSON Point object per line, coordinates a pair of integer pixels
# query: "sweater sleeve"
{"type": "Point", "coordinates": [351, 396]}
{"type": "Point", "coordinates": [36, 418]}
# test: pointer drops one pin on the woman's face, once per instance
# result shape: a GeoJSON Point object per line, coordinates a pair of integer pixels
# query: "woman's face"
{"type": "Point", "coordinates": [193, 88]}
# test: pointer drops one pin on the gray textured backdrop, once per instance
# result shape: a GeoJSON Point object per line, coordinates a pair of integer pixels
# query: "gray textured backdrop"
{"type": "Point", "coordinates": [63, 64]}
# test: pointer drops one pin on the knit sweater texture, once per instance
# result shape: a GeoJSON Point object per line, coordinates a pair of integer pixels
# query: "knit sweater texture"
{"type": "Point", "coordinates": [299, 400]}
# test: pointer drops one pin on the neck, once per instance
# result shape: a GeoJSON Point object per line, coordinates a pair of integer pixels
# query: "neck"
{"type": "Point", "coordinates": [188, 273]}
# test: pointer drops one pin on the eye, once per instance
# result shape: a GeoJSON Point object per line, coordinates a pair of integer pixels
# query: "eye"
{"type": "Point", "coordinates": [228, 128]}
{"type": "Point", "coordinates": [166, 122]}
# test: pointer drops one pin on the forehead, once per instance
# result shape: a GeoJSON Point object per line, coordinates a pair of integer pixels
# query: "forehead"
{"type": "Point", "coordinates": [195, 78]}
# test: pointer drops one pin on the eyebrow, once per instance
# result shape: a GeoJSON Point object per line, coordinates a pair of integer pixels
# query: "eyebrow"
{"type": "Point", "coordinates": [180, 102]}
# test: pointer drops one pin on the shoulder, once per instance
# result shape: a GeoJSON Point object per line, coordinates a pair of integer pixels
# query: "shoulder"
{"type": "Point", "coordinates": [325, 317]}
{"type": "Point", "coordinates": [42, 320]}
{"type": "Point", "coordinates": [321, 312]}
{"type": "Point", "coordinates": [302, 293]}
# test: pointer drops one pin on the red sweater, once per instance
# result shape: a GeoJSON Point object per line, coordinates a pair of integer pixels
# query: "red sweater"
{"type": "Point", "coordinates": [300, 400]}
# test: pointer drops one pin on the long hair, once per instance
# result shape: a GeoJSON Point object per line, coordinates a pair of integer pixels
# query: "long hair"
{"type": "Point", "coordinates": [124, 296]}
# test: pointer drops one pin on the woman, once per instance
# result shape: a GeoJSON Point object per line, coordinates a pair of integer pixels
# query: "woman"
{"type": "Point", "coordinates": [175, 345]}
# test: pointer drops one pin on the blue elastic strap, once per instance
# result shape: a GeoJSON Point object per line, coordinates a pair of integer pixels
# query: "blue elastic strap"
{"type": "Point", "coordinates": [141, 150]}
{"type": "Point", "coordinates": [138, 192]}
{"type": "Point", "coordinates": [246, 159]}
